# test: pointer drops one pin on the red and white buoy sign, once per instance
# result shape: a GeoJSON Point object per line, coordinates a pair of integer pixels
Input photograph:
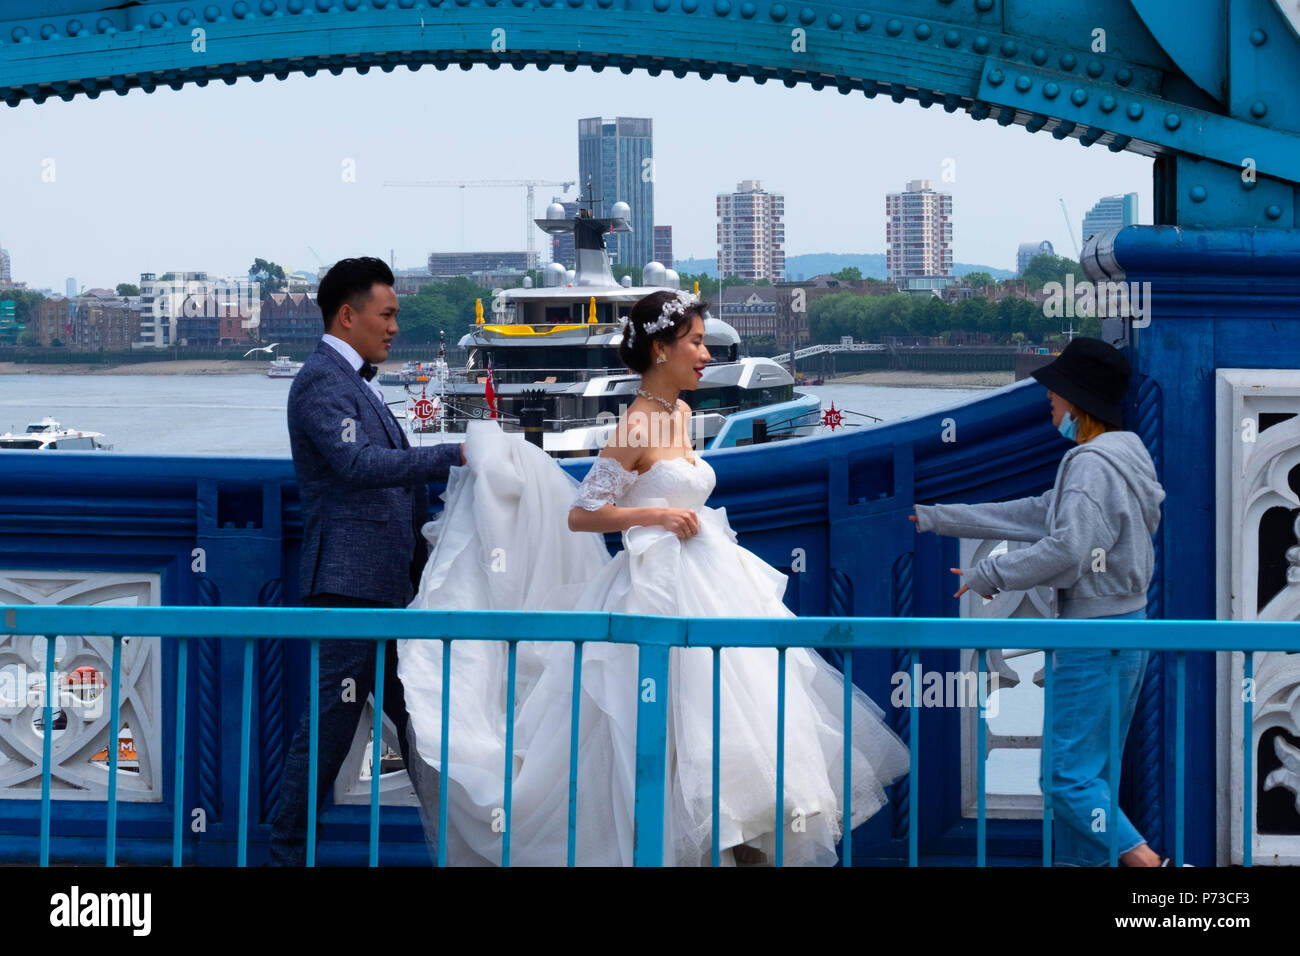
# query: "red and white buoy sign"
{"type": "Point", "coordinates": [424, 409]}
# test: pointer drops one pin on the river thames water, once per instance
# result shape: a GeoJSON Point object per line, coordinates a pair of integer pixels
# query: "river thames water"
{"type": "Point", "coordinates": [244, 415]}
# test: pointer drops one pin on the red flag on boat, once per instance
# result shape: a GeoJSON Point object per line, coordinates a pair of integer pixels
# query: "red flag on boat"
{"type": "Point", "coordinates": [489, 391]}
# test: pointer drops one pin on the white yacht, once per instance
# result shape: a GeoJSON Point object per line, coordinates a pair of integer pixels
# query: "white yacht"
{"type": "Point", "coordinates": [554, 358]}
{"type": "Point", "coordinates": [49, 434]}
{"type": "Point", "coordinates": [282, 367]}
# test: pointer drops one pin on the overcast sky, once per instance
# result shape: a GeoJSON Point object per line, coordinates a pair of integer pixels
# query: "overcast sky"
{"type": "Point", "coordinates": [208, 179]}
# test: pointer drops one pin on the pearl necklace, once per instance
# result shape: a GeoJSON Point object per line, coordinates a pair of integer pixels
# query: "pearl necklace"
{"type": "Point", "coordinates": [655, 398]}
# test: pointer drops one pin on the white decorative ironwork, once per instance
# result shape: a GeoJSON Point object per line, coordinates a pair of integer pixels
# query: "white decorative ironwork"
{"type": "Point", "coordinates": [1257, 440]}
{"type": "Point", "coordinates": [82, 685]}
{"type": "Point", "coordinates": [1013, 736]}
{"type": "Point", "coordinates": [353, 782]}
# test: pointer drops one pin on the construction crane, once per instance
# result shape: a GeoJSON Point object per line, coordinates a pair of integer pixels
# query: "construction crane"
{"type": "Point", "coordinates": [1078, 253]}
{"type": "Point", "coordinates": [528, 184]}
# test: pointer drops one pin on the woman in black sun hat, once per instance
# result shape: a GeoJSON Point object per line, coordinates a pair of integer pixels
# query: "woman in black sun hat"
{"type": "Point", "coordinates": [1091, 541]}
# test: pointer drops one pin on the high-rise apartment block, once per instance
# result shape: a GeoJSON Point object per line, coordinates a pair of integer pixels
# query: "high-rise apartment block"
{"type": "Point", "coordinates": [618, 157]}
{"type": "Point", "coordinates": [751, 234]}
{"type": "Point", "coordinates": [918, 232]}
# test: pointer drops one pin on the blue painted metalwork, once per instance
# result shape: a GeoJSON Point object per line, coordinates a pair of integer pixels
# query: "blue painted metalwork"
{"type": "Point", "coordinates": [846, 844]}
{"type": "Point", "coordinates": [654, 637]}
{"type": "Point", "coordinates": [245, 746]}
{"type": "Point", "coordinates": [376, 751]}
{"type": "Point", "coordinates": [178, 767]}
{"type": "Point", "coordinates": [509, 774]}
{"type": "Point", "coordinates": [1046, 764]}
{"type": "Point", "coordinates": [981, 761]}
{"type": "Point", "coordinates": [47, 748]}
{"type": "Point", "coordinates": [716, 799]}
{"type": "Point", "coordinates": [443, 748]}
{"type": "Point", "coordinates": [1158, 78]}
{"type": "Point", "coordinates": [780, 757]}
{"type": "Point", "coordinates": [1180, 758]}
{"type": "Point", "coordinates": [575, 709]}
{"type": "Point", "coordinates": [313, 737]}
{"type": "Point", "coordinates": [1112, 781]}
{"type": "Point", "coordinates": [114, 715]}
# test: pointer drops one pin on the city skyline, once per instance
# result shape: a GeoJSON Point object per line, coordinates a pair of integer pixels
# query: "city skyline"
{"type": "Point", "coordinates": [267, 170]}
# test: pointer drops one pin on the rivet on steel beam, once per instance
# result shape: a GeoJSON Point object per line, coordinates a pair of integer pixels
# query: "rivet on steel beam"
{"type": "Point", "coordinates": [1123, 76]}
{"type": "Point", "coordinates": [1051, 90]}
{"type": "Point", "coordinates": [1198, 193]}
{"type": "Point", "coordinates": [1023, 83]}
{"type": "Point", "coordinates": [862, 21]}
{"type": "Point", "coordinates": [894, 27]}
{"type": "Point", "coordinates": [995, 77]}
{"type": "Point", "coordinates": [1010, 48]}
{"type": "Point", "coordinates": [1274, 211]}
{"type": "Point", "coordinates": [980, 45]}
{"type": "Point", "coordinates": [1079, 96]}
{"type": "Point", "coordinates": [952, 38]}
{"type": "Point", "coordinates": [1134, 111]}
{"type": "Point", "coordinates": [922, 31]}
{"type": "Point", "coordinates": [1258, 109]}
{"type": "Point", "coordinates": [1258, 37]}
{"type": "Point", "coordinates": [1173, 121]}
{"type": "Point", "coordinates": [1039, 56]}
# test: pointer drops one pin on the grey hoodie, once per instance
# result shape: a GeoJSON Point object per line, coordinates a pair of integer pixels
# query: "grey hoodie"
{"type": "Point", "coordinates": [1106, 497]}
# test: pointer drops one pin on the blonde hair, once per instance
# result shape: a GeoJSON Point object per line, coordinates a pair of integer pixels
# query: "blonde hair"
{"type": "Point", "coordinates": [1090, 426]}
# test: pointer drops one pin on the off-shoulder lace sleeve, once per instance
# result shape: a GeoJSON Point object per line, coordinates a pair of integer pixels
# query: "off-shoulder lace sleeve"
{"type": "Point", "coordinates": [606, 481]}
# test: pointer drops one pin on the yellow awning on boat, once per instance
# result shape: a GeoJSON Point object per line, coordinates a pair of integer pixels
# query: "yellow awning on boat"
{"type": "Point", "coordinates": [529, 329]}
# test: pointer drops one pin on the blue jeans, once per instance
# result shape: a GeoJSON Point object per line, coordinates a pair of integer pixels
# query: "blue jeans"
{"type": "Point", "coordinates": [1080, 736]}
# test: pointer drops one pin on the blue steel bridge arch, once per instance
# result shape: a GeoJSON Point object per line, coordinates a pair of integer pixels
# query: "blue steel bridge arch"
{"type": "Point", "coordinates": [1202, 85]}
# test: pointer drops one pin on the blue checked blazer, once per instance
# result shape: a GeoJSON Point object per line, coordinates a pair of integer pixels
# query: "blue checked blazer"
{"type": "Point", "coordinates": [363, 487]}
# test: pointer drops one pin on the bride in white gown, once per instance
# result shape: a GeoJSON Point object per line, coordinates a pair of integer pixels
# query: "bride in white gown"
{"type": "Point", "coordinates": [506, 541]}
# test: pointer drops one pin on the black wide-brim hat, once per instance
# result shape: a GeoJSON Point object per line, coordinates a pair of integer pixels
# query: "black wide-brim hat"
{"type": "Point", "coordinates": [1090, 375]}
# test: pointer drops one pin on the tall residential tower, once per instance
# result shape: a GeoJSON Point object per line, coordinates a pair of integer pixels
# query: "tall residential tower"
{"type": "Point", "coordinates": [750, 233]}
{"type": "Point", "coordinates": [618, 156]}
{"type": "Point", "coordinates": [918, 232]}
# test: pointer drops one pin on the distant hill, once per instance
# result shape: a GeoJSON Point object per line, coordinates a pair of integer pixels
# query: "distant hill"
{"type": "Point", "coordinates": [871, 264]}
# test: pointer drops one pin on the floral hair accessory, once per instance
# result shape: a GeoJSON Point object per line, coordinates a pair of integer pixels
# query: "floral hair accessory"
{"type": "Point", "coordinates": [675, 305]}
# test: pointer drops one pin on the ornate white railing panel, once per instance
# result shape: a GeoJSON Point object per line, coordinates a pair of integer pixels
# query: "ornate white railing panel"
{"type": "Point", "coordinates": [1014, 737]}
{"type": "Point", "coordinates": [1257, 437]}
{"type": "Point", "coordinates": [83, 675]}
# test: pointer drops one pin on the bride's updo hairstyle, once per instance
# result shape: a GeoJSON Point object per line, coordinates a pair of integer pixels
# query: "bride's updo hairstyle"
{"type": "Point", "coordinates": [637, 354]}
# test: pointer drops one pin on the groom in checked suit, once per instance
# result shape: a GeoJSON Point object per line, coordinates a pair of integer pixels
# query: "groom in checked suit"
{"type": "Point", "coordinates": [364, 499]}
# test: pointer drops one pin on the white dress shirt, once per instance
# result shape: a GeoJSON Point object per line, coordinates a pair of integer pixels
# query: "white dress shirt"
{"type": "Point", "coordinates": [354, 359]}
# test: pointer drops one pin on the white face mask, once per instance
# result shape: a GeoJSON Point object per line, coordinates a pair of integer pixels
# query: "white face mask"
{"type": "Point", "coordinates": [1068, 427]}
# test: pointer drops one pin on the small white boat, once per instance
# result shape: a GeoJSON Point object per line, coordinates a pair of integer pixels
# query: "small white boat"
{"type": "Point", "coordinates": [282, 367]}
{"type": "Point", "coordinates": [47, 434]}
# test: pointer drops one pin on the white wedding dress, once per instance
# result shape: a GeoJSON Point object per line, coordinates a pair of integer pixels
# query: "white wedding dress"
{"type": "Point", "coordinates": [502, 543]}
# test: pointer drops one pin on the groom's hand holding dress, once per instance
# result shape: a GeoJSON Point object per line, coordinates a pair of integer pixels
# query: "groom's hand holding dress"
{"type": "Point", "coordinates": [364, 498]}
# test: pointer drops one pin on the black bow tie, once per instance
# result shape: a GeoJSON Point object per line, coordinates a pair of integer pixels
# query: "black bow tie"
{"type": "Point", "coordinates": [367, 371]}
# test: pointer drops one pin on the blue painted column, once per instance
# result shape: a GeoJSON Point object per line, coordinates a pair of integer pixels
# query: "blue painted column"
{"type": "Point", "coordinates": [1220, 298]}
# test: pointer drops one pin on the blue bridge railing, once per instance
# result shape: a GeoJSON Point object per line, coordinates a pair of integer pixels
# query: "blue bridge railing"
{"type": "Point", "coordinates": [655, 637]}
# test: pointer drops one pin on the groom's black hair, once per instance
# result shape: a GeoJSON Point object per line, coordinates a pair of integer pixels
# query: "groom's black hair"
{"type": "Point", "coordinates": [638, 357]}
{"type": "Point", "coordinates": [350, 281]}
